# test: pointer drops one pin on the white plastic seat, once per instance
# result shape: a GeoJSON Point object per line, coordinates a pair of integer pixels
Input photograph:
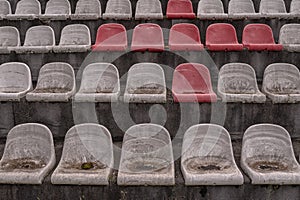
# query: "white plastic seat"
{"type": "Point", "coordinates": [295, 8]}
{"type": "Point", "coordinates": [211, 10]}
{"type": "Point", "coordinates": [273, 9]}
{"type": "Point", "coordinates": [147, 157]}
{"type": "Point", "coordinates": [26, 9]}
{"type": "Point", "coordinates": [57, 10]}
{"type": "Point", "coordinates": [87, 157]}
{"type": "Point", "coordinates": [244, 9]}
{"type": "Point", "coordinates": [9, 37]}
{"type": "Point", "coordinates": [289, 37]}
{"type": "Point", "coordinates": [87, 10]}
{"type": "Point", "coordinates": [5, 9]}
{"type": "Point", "coordinates": [74, 38]}
{"type": "Point", "coordinates": [56, 83]}
{"type": "Point", "coordinates": [28, 155]}
{"type": "Point", "coordinates": [118, 10]}
{"type": "Point", "coordinates": [148, 9]}
{"type": "Point", "coordinates": [99, 83]}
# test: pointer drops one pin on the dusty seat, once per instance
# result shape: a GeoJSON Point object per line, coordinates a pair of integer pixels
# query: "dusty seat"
{"type": "Point", "coordinates": [295, 8]}
{"type": "Point", "coordinates": [87, 10]}
{"type": "Point", "coordinates": [211, 10]}
{"type": "Point", "coordinates": [57, 10]}
{"type": "Point", "coordinates": [273, 9]}
{"type": "Point", "coordinates": [289, 37]}
{"type": "Point", "coordinates": [9, 37]}
{"type": "Point", "coordinates": [148, 9]}
{"type": "Point", "coordinates": [5, 9]}
{"type": "Point", "coordinates": [180, 9]}
{"type": "Point", "coordinates": [244, 9]}
{"type": "Point", "coordinates": [118, 10]}
{"type": "Point", "coordinates": [26, 9]}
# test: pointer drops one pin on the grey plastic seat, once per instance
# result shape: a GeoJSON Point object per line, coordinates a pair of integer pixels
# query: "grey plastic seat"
{"type": "Point", "coordinates": [57, 10]}
{"type": "Point", "coordinates": [145, 84]}
{"type": "Point", "coordinates": [15, 81]}
{"type": "Point", "coordinates": [281, 83]}
{"type": "Point", "coordinates": [118, 10]}
{"type": "Point", "coordinates": [38, 39]}
{"type": "Point", "coordinates": [242, 9]}
{"type": "Point", "coordinates": [268, 157]}
{"type": "Point", "coordinates": [87, 157]}
{"type": "Point", "coordinates": [99, 83]}
{"type": "Point", "coordinates": [56, 83]}
{"type": "Point", "coordinates": [87, 10]}
{"type": "Point", "coordinates": [207, 157]}
{"type": "Point", "coordinates": [28, 155]}
{"type": "Point", "coordinates": [211, 9]}
{"type": "Point", "coordinates": [148, 9]}
{"type": "Point", "coordinates": [289, 37]}
{"type": "Point", "coordinates": [9, 37]}
{"type": "Point", "coordinates": [237, 83]}
{"type": "Point", "coordinates": [26, 9]}
{"type": "Point", "coordinates": [147, 157]}
{"type": "Point", "coordinates": [295, 8]}
{"type": "Point", "coordinates": [74, 38]}
{"type": "Point", "coordinates": [5, 9]}
{"type": "Point", "coordinates": [273, 9]}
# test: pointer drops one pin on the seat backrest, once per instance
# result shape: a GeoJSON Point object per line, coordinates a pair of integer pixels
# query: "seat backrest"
{"type": "Point", "coordinates": [184, 33]}
{"type": "Point", "coordinates": [58, 7]}
{"type": "Point", "coordinates": [238, 6]}
{"type": "Point", "coordinates": [147, 34]}
{"type": "Point", "coordinates": [118, 7]}
{"type": "Point", "coordinates": [210, 6]}
{"type": "Point", "coordinates": [88, 7]}
{"type": "Point", "coordinates": [295, 7]}
{"type": "Point", "coordinates": [5, 7]}
{"type": "Point", "coordinates": [40, 36]}
{"type": "Point", "coordinates": [289, 34]}
{"type": "Point", "coordinates": [258, 34]}
{"type": "Point", "coordinates": [179, 6]}
{"type": "Point", "coordinates": [221, 33]}
{"type": "Point", "coordinates": [9, 36]}
{"type": "Point", "coordinates": [28, 7]}
{"type": "Point", "coordinates": [75, 34]}
{"type": "Point", "coordinates": [272, 6]}
{"type": "Point", "coordinates": [111, 33]}
{"type": "Point", "coordinates": [148, 6]}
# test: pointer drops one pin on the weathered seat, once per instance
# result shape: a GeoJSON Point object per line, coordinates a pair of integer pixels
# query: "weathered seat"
{"type": "Point", "coordinates": [273, 9]}
{"type": "Point", "coordinates": [295, 8]}
{"type": "Point", "coordinates": [244, 9]}
{"type": "Point", "coordinates": [289, 37]}
{"type": "Point", "coordinates": [57, 10]}
{"type": "Point", "coordinates": [118, 10]}
{"type": "Point", "coordinates": [87, 10]}
{"type": "Point", "coordinates": [26, 9]}
{"type": "Point", "coordinates": [180, 9]}
{"type": "Point", "coordinates": [9, 37]}
{"type": "Point", "coordinates": [5, 9]}
{"type": "Point", "coordinates": [148, 9]}
{"type": "Point", "coordinates": [211, 10]}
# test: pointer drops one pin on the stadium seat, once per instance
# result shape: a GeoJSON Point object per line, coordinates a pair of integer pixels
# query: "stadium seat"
{"type": "Point", "coordinates": [207, 157]}
{"type": "Point", "coordinates": [268, 157]}
{"type": "Point", "coordinates": [289, 37]}
{"type": "Point", "coordinates": [26, 9]}
{"type": "Point", "coordinates": [56, 83]}
{"type": "Point", "coordinates": [5, 9]}
{"type": "Point", "coordinates": [222, 37]}
{"type": "Point", "coordinates": [39, 39]}
{"type": "Point", "coordinates": [185, 37]}
{"type": "Point", "coordinates": [111, 37]}
{"type": "Point", "coordinates": [244, 9]}
{"type": "Point", "coordinates": [259, 37]}
{"type": "Point", "coordinates": [273, 9]}
{"type": "Point", "coordinates": [237, 83]}
{"type": "Point", "coordinates": [147, 37]}
{"type": "Point", "coordinates": [15, 81]}
{"type": "Point", "coordinates": [191, 83]}
{"type": "Point", "coordinates": [295, 8]}
{"type": "Point", "coordinates": [281, 83]}
{"type": "Point", "coordinates": [74, 38]}
{"type": "Point", "coordinates": [118, 10]}
{"type": "Point", "coordinates": [148, 9]}
{"type": "Point", "coordinates": [146, 84]}
{"type": "Point", "coordinates": [99, 83]}
{"type": "Point", "coordinates": [28, 156]}
{"type": "Point", "coordinates": [147, 157]}
{"type": "Point", "coordinates": [180, 9]}
{"type": "Point", "coordinates": [211, 10]}
{"type": "Point", "coordinates": [57, 10]}
{"type": "Point", "coordinates": [87, 157]}
{"type": "Point", "coordinates": [87, 10]}
{"type": "Point", "coordinates": [9, 37]}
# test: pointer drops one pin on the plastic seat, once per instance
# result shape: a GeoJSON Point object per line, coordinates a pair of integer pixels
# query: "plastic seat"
{"type": "Point", "coordinates": [268, 157]}
{"type": "Point", "coordinates": [26, 9]}
{"type": "Point", "coordinates": [9, 37]}
{"type": "Point", "coordinates": [147, 157]}
{"type": "Point", "coordinates": [273, 9]}
{"type": "Point", "coordinates": [87, 157]}
{"type": "Point", "coordinates": [28, 155]}
{"type": "Point", "coordinates": [259, 37]}
{"type": "Point", "coordinates": [211, 10]}
{"type": "Point", "coordinates": [180, 9]}
{"type": "Point", "coordinates": [111, 37]}
{"type": "Point", "coordinates": [57, 10]}
{"type": "Point", "coordinates": [118, 10]}
{"type": "Point", "coordinates": [237, 83]}
{"type": "Point", "coordinates": [5, 9]}
{"type": "Point", "coordinates": [295, 8]}
{"type": "Point", "coordinates": [56, 83]}
{"type": "Point", "coordinates": [148, 9]}
{"type": "Point", "coordinates": [15, 81]}
{"type": "Point", "coordinates": [222, 37]}
{"type": "Point", "coordinates": [207, 157]}
{"type": "Point", "coordinates": [192, 83]}
{"type": "Point", "coordinates": [100, 83]}
{"type": "Point", "coordinates": [39, 39]}
{"type": "Point", "coordinates": [147, 37]}
{"type": "Point", "coordinates": [289, 37]}
{"type": "Point", "coordinates": [146, 84]}
{"type": "Point", "coordinates": [281, 83]}
{"type": "Point", "coordinates": [87, 10]}
{"type": "Point", "coordinates": [185, 37]}
{"type": "Point", "coordinates": [244, 9]}
{"type": "Point", "coordinates": [74, 38]}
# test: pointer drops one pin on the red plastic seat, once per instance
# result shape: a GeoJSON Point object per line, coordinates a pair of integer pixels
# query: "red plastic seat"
{"type": "Point", "coordinates": [185, 37]}
{"type": "Point", "coordinates": [259, 37]}
{"type": "Point", "coordinates": [180, 9]}
{"type": "Point", "coordinates": [192, 83]}
{"type": "Point", "coordinates": [222, 37]}
{"type": "Point", "coordinates": [111, 37]}
{"type": "Point", "coordinates": [147, 37]}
